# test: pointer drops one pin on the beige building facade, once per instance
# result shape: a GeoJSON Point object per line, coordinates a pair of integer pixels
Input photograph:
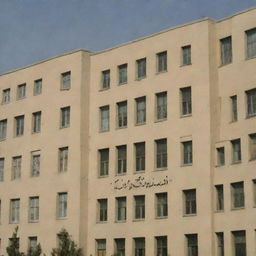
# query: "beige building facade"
{"type": "Point", "coordinates": [148, 148]}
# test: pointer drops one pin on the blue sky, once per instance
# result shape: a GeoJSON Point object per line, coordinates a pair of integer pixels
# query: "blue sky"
{"type": "Point", "coordinates": [32, 30]}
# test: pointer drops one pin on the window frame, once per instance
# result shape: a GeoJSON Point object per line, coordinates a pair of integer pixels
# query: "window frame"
{"type": "Point", "coordinates": [234, 109]}
{"type": "Point", "coordinates": [105, 163]}
{"type": "Point", "coordinates": [3, 129]}
{"type": "Point", "coordinates": [34, 172]}
{"type": "Point", "coordinates": [65, 117]}
{"type": "Point", "coordinates": [140, 159]}
{"type": "Point", "coordinates": [142, 111]}
{"type": "Point", "coordinates": [36, 121]}
{"type": "Point", "coordinates": [122, 74]}
{"type": "Point", "coordinates": [219, 198]}
{"type": "Point", "coordinates": [187, 153]}
{"type": "Point", "coordinates": [121, 164]}
{"type": "Point", "coordinates": [63, 159]}
{"type": "Point", "coordinates": [21, 91]}
{"type": "Point", "coordinates": [34, 208]}
{"type": "Point", "coordinates": [139, 207]}
{"type": "Point", "coordinates": [141, 68]}
{"type": "Point", "coordinates": [121, 209]}
{"type": "Point", "coordinates": [65, 83]}
{"type": "Point", "coordinates": [62, 205]}
{"type": "Point", "coordinates": [226, 54]}
{"type": "Point", "coordinates": [6, 96]}
{"type": "Point", "coordinates": [19, 125]}
{"type": "Point", "coordinates": [189, 206]}
{"type": "Point", "coordinates": [237, 195]}
{"type": "Point", "coordinates": [250, 55]}
{"type": "Point", "coordinates": [161, 205]}
{"type": "Point", "coordinates": [16, 167]}
{"type": "Point", "coordinates": [161, 110]}
{"type": "Point", "coordinates": [236, 151]}
{"type": "Point", "coordinates": [105, 79]}
{"type": "Point", "coordinates": [186, 55]}
{"type": "Point", "coordinates": [38, 86]}
{"type": "Point", "coordinates": [102, 210]}
{"type": "Point", "coordinates": [163, 154]}
{"type": "Point", "coordinates": [250, 103]}
{"type": "Point", "coordinates": [163, 67]}
{"type": "Point", "coordinates": [14, 214]}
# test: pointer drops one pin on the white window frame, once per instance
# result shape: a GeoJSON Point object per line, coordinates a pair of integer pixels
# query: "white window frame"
{"type": "Point", "coordinates": [15, 210]}
{"type": "Point", "coordinates": [33, 209]}
{"type": "Point", "coordinates": [161, 106]}
{"type": "Point", "coordinates": [16, 167]}
{"type": "Point", "coordinates": [63, 159]}
{"type": "Point", "coordinates": [62, 205]}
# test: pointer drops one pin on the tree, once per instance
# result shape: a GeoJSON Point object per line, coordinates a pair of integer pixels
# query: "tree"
{"type": "Point", "coordinates": [14, 247]}
{"type": "Point", "coordinates": [35, 251]}
{"type": "Point", "coordinates": [67, 247]}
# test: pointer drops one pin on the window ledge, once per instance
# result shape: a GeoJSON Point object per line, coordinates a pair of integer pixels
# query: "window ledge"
{"type": "Point", "coordinates": [63, 127]}
{"type": "Point", "coordinates": [237, 208]}
{"type": "Point", "coordinates": [139, 172]}
{"type": "Point", "coordinates": [104, 89]}
{"type": "Point", "coordinates": [121, 174]}
{"type": "Point", "coordinates": [124, 83]}
{"type": "Point", "coordinates": [65, 89]}
{"type": "Point", "coordinates": [219, 211]}
{"type": "Point", "coordinates": [138, 220]}
{"type": "Point", "coordinates": [35, 132]}
{"type": "Point", "coordinates": [184, 65]}
{"type": "Point", "coordinates": [190, 215]}
{"type": "Point", "coordinates": [120, 221]}
{"type": "Point", "coordinates": [249, 58]}
{"type": "Point", "coordinates": [18, 136]}
{"type": "Point", "coordinates": [21, 98]}
{"type": "Point", "coordinates": [139, 124]}
{"type": "Point", "coordinates": [101, 222]}
{"type": "Point", "coordinates": [161, 169]}
{"type": "Point", "coordinates": [233, 121]}
{"type": "Point", "coordinates": [161, 72]}
{"type": "Point", "coordinates": [5, 103]}
{"type": "Point", "coordinates": [186, 165]}
{"type": "Point", "coordinates": [62, 218]}
{"type": "Point", "coordinates": [250, 116]}
{"type": "Point", "coordinates": [120, 128]}
{"type": "Point", "coordinates": [103, 131]}
{"type": "Point", "coordinates": [33, 221]}
{"type": "Point", "coordinates": [224, 64]}
{"type": "Point", "coordinates": [219, 166]}
{"type": "Point", "coordinates": [161, 217]}
{"type": "Point", "coordinates": [3, 139]}
{"type": "Point", "coordinates": [160, 120]}
{"type": "Point", "coordinates": [140, 78]}
{"type": "Point", "coordinates": [184, 116]}
{"type": "Point", "coordinates": [102, 176]}
{"type": "Point", "coordinates": [235, 163]}
{"type": "Point", "coordinates": [252, 159]}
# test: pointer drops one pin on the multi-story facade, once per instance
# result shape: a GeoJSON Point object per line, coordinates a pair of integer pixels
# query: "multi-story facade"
{"type": "Point", "coordinates": [147, 148]}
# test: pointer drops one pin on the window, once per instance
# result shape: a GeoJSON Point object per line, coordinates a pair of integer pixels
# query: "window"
{"type": "Point", "coordinates": [62, 205]}
{"type": "Point", "coordinates": [219, 198]}
{"type": "Point", "coordinates": [38, 86]}
{"type": "Point", "coordinates": [105, 79]}
{"type": "Point", "coordinates": [236, 151]}
{"type": "Point", "coordinates": [187, 152]}
{"type": "Point", "coordinates": [140, 110]}
{"type": "Point", "coordinates": [226, 50]}
{"type": "Point", "coordinates": [252, 146]}
{"type": "Point", "coordinates": [161, 106]}
{"type": "Point", "coordinates": [65, 117]}
{"type": "Point", "coordinates": [36, 122]}
{"type": "Point", "coordinates": [21, 91]}
{"type": "Point", "coordinates": [63, 159]}
{"type": "Point", "coordinates": [3, 129]}
{"type": "Point", "coordinates": [66, 80]}
{"type": "Point", "coordinates": [6, 96]}
{"type": "Point", "coordinates": [233, 108]}
{"type": "Point", "coordinates": [254, 191]}
{"type": "Point", "coordinates": [161, 205]}
{"type": "Point", "coordinates": [139, 207]}
{"type": "Point", "coordinates": [186, 55]}
{"type": "Point", "coordinates": [189, 201]}
{"type": "Point", "coordinates": [186, 102]}
{"type": "Point", "coordinates": [192, 246]}
{"type": "Point", "coordinates": [101, 247]}
{"type": "Point", "coordinates": [121, 159]}
{"type": "Point", "coordinates": [122, 114]}
{"type": "Point", "coordinates": [102, 209]}
{"type": "Point", "coordinates": [161, 153]}
{"type": "Point", "coordinates": [141, 68]}
{"type": "Point", "coordinates": [104, 161]}
{"type": "Point", "coordinates": [1, 169]}
{"type": "Point", "coordinates": [16, 167]}
{"type": "Point", "coordinates": [104, 118]}
{"type": "Point", "coordinates": [237, 194]}
{"type": "Point", "coordinates": [239, 243]}
{"type": "Point", "coordinates": [251, 102]}
{"type": "Point", "coordinates": [140, 156]}
{"type": "Point", "coordinates": [121, 208]}
{"type": "Point", "coordinates": [251, 42]}
{"type": "Point", "coordinates": [161, 246]}
{"type": "Point", "coordinates": [14, 210]}
{"type": "Point", "coordinates": [32, 243]}
{"type": "Point", "coordinates": [220, 243]}
{"type": "Point", "coordinates": [139, 248]}
{"type": "Point", "coordinates": [122, 72]}
{"type": "Point", "coordinates": [19, 125]}
{"type": "Point", "coordinates": [162, 61]}
{"type": "Point", "coordinates": [120, 247]}
{"type": "Point", "coordinates": [33, 209]}
{"type": "Point", "coordinates": [35, 163]}
{"type": "Point", "coordinates": [220, 156]}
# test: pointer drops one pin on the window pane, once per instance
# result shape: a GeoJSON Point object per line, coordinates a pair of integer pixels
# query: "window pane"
{"type": "Point", "coordinates": [121, 208]}
{"type": "Point", "coordinates": [186, 55]}
{"type": "Point", "coordinates": [35, 165]}
{"type": "Point", "coordinates": [236, 151]}
{"type": "Point", "coordinates": [122, 114]}
{"type": "Point", "coordinates": [141, 110]}
{"type": "Point", "coordinates": [251, 102]}
{"type": "Point", "coordinates": [104, 161]}
{"type": "Point", "coordinates": [16, 167]}
{"type": "Point", "coordinates": [161, 106]}
{"type": "Point", "coordinates": [65, 117]}
{"type": "Point", "coordinates": [36, 122]}
{"type": "Point", "coordinates": [139, 207]}
{"type": "Point", "coordinates": [122, 70]}
{"type": "Point", "coordinates": [38, 87]}
{"type": "Point", "coordinates": [105, 79]}
{"type": "Point", "coordinates": [121, 159]}
{"type": "Point", "coordinates": [161, 153]}
{"type": "Point", "coordinates": [234, 108]}
{"type": "Point", "coordinates": [6, 96]}
{"type": "Point", "coordinates": [226, 50]}
{"type": "Point", "coordinates": [62, 205]}
{"type": "Point", "coordinates": [161, 246]}
{"type": "Point", "coordinates": [251, 43]}
{"type": "Point", "coordinates": [1, 169]}
{"type": "Point", "coordinates": [139, 246]}
{"type": "Point", "coordinates": [141, 68]}
{"type": "Point", "coordinates": [66, 80]}
{"type": "Point", "coordinates": [101, 247]}
{"type": "Point", "coordinates": [140, 156]}
{"type": "Point", "coordinates": [103, 209]}
{"type": "Point", "coordinates": [187, 152]}
{"type": "Point", "coordinates": [219, 198]}
{"type": "Point", "coordinates": [63, 159]}
{"type": "Point", "coordinates": [237, 190]}
{"type": "Point", "coordinates": [104, 118]}
{"type": "Point", "coordinates": [239, 239]}
{"type": "Point", "coordinates": [161, 205]}
{"type": "Point", "coordinates": [192, 247]}
{"type": "Point", "coordinates": [190, 201]}
{"type": "Point", "coordinates": [220, 244]}
{"type": "Point", "coordinates": [186, 102]}
{"type": "Point", "coordinates": [3, 129]}
{"type": "Point", "coordinates": [162, 61]}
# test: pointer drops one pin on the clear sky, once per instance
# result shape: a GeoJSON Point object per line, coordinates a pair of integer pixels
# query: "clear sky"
{"type": "Point", "coordinates": [32, 30]}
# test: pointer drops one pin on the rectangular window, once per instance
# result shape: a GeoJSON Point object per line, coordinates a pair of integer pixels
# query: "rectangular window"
{"type": "Point", "coordinates": [122, 72]}
{"type": "Point", "coordinates": [139, 207]}
{"type": "Point", "coordinates": [226, 50]}
{"type": "Point", "coordinates": [139, 246]}
{"type": "Point", "coordinates": [121, 208]}
{"type": "Point", "coordinates": [162, 61]}
{"type": "Point", "coordinates": [161, 205]}
{"type": "Point", "coordinates": [14, 210]}
{"type": "Point", "coordinates": [251, 102]}
{"type": "Point", "coordinates": [141, 68]}
{"type": "Point", "coordinates": [251, 43]}
{"type": "Point", "coordinates": [104, 118]}
{"type": "Point", "coordinates": [38, 86]}
{"type": "Point", "coordinates": [3, 129]}
{"type": "Point", "coordinates": [65, 117]}
{"type": "Point", "coordinates": [19, 125]}
{"type": "Point", "coordinates": [32, 243]}
{"type": "Point", "coordinates": [192, 245]}
{"type": "Point", "coordinates": [120, 247]}
{"type": "Point", "coordinates": [186, 101]}
{"type": "Point", "coordinates": [236, 151]}
{"type": "Point", "coordinates": [219, 198]}
{"type": "Point", "coordinates": [6, 97]}
{"type": "Point", "coordinates": [189, 201]}
{"type": "Point", "coordinates": [187, 152]}
{"type": "Point", "coordinates": [21, 91]}
{"type": "Point", "coordinates": [140, 110]}
{"type": "Point", "coordinates": [35, 163]}
{"type": "Point", "coordinates": [254, 192]}
{"type": "Point", "coordinates": [66, 80]}
{"type": "Point", "coordinates": [233, 108]}
{"type": "Point", "coordinates": [33, 209]}
{"type": "Point", "coordinates": [16, 167]}
{"type": "Point", "coordinates": [237, 194]}
{"type": "Point", "coordinates": [220, 243]}
{"type": "Point", "coordinates": [62, 205]}
{"type": "Point", "coordinates": [101, 247]}
{"type": "Point", "coordinates": [63, 159]}
{"type": "Point", "coordinates": [161, 246]}
{"type": "Point", "coordinates": [106, 79]}
{"type": "Point", "coordinates": [104, 161]}
{"type": "Point", "coordinates": [220, 156]}
{"type": "Point", "coordinates": [186, 55]}
{"type": "Point", "coordinates": [252, 146]}
{"type": "Point", "coordinates": [1, 169]}
{"type": "Point", "coordinates": [239, 243]}
{"type": "Point", "coordinates": [122, 114]}
{"type": "Point", "coordinates": [121, 159]}
{"type": "Point", "coordinates": [161, 153]}
{"type": "Point", "coordinates": [161, 106]}
{"type": "Point", "coordinates": [36, 122]}
{"type": "Point", "coordinates": [140, 156]}
{"type": "Point", "coordinates": [102, 209]}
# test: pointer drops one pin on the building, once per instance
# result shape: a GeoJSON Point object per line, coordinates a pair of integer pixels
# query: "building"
{"type": "Point", "coordinates": [147, 148]}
